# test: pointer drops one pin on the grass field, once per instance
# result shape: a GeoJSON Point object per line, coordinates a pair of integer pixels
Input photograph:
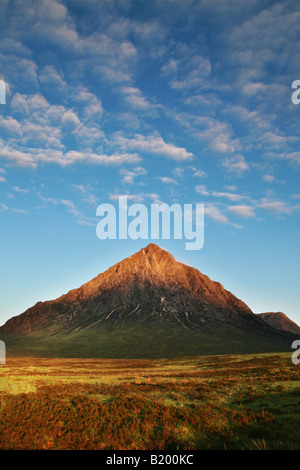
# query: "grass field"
{"type": "Point", "coordinates": [147, 341]}
{"type": "Point", "coordinates": [212, 402]}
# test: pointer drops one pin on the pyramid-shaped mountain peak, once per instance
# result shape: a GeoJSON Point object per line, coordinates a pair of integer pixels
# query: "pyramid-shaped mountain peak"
{"type": "Point", "coordinates": [149, 293]}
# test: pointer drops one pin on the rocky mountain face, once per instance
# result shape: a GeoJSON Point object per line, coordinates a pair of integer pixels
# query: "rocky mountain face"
{"type": "Point", "coordinates": [280, 321]}
{"type": "Point", "coordinates": [149, 286]}
{"type": "Point", "coordinates": [148, 305]}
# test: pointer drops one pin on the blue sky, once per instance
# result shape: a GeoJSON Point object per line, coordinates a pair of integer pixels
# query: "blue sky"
{"type": "Point", "coordinates": [167, 100]}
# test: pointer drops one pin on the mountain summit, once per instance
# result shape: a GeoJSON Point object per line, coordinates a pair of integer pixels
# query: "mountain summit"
{"type": "Point", "coordinates": [145, 299]}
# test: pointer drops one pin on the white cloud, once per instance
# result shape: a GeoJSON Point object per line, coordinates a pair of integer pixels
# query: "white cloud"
{"type": "Point", "coordinates": [19, 211]}
{"type": "Point", "coordinates": [3, 207]}
{"type": "Point", "coordinates": [236, 164]}
{"type": "Point", "coordinates": [129, 175]}
{"type": "Point", "coordinates": [86, 193]}
{"type": "Point", "coordinates": [188, 71]}
{"type": "Point", "coordinates": [178, 172]}
{"type": "Point", "coordinates": [135, 98]}
{"type": "Point", "coordinates": [88, 135]}
{"type": "Point", "coordinates": [201, 189]}
{"type": "Point", "coordinates": [274, 140]}
{"type": "Point", "coordinates": [197, 172]}
{"type": "Point", "coordinates": [214, 213]}
{"type": "Point", "coordinates": [29, 104]}
{"type": "Point", "coordinates": [231, 196]}
{"type": "Point", "coordinates": [71, 208]}
{"type": "Point", "coordinates": [242, 210]}
{"type": "Point", "coordinates": [219, 135]}
{"type": "Point", "coordinates": [45, 125]}
{"type": "Point", "coordinates": [50, 77]}
{"type": "Point", "coordinates": [32, 157]}
{"type": "Point", "coordinates": [200, 174]}
{"type": "Point", "coordinates": [276, 207]}
{"type": "Point", "coordinates": [92, 106]}
{"type": "Point", "coordinates": [43, 129]}
{"type": "Point", "coordinates": [253, 88]}
{"type": "Point", "coordinates": [130, 197]}
{"type": "Point", "coordinates": [101, 159]}
{"type": "Point", "coordinates": [167, 180]}
{"type": "Point", "coordinates": [268, 178]}
{"type": "Point", "coordinates": [11, 125]}
{"type": "Point", "coordinates": [70, 119]}
{"type": "Point", "coordinates": [154, 144]}
{"type": "Point", "coordinates": [290, 156]}
{"type": "Point", "coordinates": [154, 197]}
{"type": "Point", "coordinates": [20, 190]}
{"type": "Point", "coordinates": [35, 134]}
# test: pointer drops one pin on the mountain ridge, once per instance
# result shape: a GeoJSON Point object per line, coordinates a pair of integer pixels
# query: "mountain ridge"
{"type": "Point", "coordinates": [280, 321]}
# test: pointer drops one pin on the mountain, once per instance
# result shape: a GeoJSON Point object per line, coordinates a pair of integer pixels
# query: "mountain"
{"type": "Point", "coordinates": [148, 305]}
{"type": "Point", "coordinates": [280, 321]}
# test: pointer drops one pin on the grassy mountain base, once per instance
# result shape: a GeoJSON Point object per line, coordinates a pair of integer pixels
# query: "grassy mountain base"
{"type": "Point", "coordinates": [145, 342]}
